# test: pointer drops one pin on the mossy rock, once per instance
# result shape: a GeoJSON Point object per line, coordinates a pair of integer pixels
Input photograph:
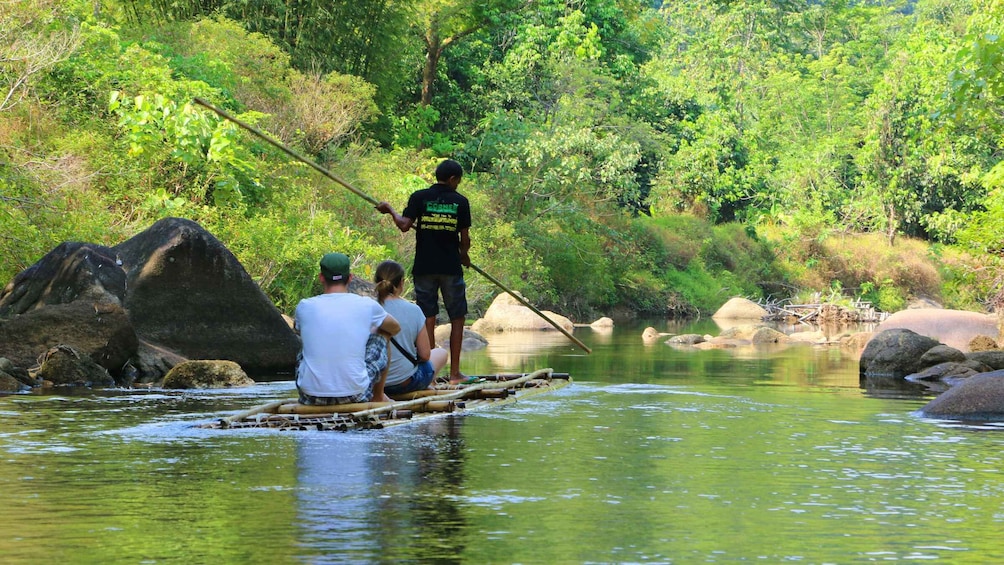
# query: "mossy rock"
{"type": "Point", "coordinates": [206, 374]}
{"type": "Point", "coordinates": [65, 366]}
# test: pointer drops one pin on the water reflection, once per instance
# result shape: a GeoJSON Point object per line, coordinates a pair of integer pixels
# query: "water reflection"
{"type": "Point", "coordinates": [382, 494]}
{"type": "Point", "coordinates": [651, 455]}
{"type": "Point", "coordinates": [513, 349]}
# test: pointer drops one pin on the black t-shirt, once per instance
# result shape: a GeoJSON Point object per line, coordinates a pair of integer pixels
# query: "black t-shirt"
{"type": "Point", "coordinates": [439, 213]}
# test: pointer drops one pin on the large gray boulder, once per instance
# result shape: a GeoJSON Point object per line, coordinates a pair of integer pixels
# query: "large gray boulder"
{"type": "Point", "coordinates": [955, 328]}
{"type": "Point", "coordinates": [894, 354]}
{"type": "Point", "coordinates": [993, 359]}
{"type": "Point", "coordinates": [186, 292]}
{"type": "Point", "coordinates": [169, 294]}
{"type": "Point", "coordinates": [978, 398]}
{"type": "Point", "coordinates": [70, 297]}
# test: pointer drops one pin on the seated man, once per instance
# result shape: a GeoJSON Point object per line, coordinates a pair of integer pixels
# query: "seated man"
{"type": "Point", "coordinates": [344, 354]}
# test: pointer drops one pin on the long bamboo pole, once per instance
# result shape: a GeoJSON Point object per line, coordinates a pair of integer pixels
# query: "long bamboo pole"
{"type": "Point", "coordinates": [531, 307]}
{"type": "Point", "coordinates": [278, 145]}
{"type": "Point", "coordinates": [226, 115]}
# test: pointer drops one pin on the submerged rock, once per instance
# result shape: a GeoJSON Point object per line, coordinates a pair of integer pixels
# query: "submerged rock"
{"type": "Point", "coordinates": [978, 398]}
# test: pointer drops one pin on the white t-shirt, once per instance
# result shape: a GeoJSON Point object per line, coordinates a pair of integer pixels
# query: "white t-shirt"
{"type": "Point", "coordinates": [334, 329]}
{"type": "Point", "coordinates": [412, 321]}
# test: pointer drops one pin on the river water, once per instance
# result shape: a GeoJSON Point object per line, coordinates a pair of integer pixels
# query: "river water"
{"type": "Point", "coordinates": [651, 455]}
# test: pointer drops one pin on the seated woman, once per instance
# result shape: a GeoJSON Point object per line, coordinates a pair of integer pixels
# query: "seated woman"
{"type": "Point", "coordinates": [413, 362]}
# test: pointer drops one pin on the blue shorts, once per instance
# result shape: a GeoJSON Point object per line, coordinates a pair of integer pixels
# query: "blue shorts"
{"type": "Point", "coordinates": [419, 380]}
{"type": "Point", "coordinates": [428, 287]}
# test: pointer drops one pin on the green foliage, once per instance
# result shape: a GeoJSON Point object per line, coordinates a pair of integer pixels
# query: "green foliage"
{"type": "Point", "coordinates": [681, 236]}
{"type": "Point", "coordinates": [415, 129]}
{"type": "Point", "coordinates": [213, 165]}
{"type": "Point", "coordinates": [645, 292]}
{"type": "Point", "coordinates": [499, 249]}
{"type": "Point", "coordinates": [735, 255]}
{"type": "Point", "coordinates": [24, 236]}
{"type": "Point", "coordinates": [977, 96]}
{"type": "Point", "coordinates": [281, 250]}
{"type": "Point", "coordinates": [617, 154]}
{"type": "Point", "coordinates": [580, 272]}
{"type": "Point", "coordinates": [34, 36]}
{"type": "Point", "coordinates": [80, 84]}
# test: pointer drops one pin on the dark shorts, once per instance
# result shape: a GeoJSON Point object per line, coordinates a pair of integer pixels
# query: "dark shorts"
{"type": "Point", "coordinates": [376, 362]}
{"type": "Point", "coordinates": [420, 380]}
{"type": "Point", "coordinates": [428, 287]}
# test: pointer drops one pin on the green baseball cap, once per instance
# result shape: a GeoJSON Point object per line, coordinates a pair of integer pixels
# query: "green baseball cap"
{"type": "Point", "coordinates": [335, 266]}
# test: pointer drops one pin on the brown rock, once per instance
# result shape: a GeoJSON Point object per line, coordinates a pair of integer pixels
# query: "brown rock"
{"type": "Point", "coordinates": [106, 336]}
{"type": "Point", "coordinates": [769, 335]}
{"type": "Point", "coordinates": [472, 341]}
{"type": "Point", "coordinates": [10, 384]}
{"type": "Point", "coordinates": [982, 343]}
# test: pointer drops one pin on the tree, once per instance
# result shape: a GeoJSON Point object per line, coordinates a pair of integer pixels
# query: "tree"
{"type": "Point", "coordinates": [365, 38]}
{"type": "Point", "coordinates": [439, 24]}
{"type": "Point", "coordinates": [35, 35]}
{"type": "Point", "coordinates": [976, 96]}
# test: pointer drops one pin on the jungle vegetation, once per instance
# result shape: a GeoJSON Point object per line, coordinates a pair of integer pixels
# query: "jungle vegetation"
{"type": "Point", "coordinates": [646, 157]}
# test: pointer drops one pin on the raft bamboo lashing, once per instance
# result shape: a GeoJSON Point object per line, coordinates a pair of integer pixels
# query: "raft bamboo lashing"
{"type": "Point", "coordinates": [489, 390]}
{"type": "Point", "coordinates": [297, 408]}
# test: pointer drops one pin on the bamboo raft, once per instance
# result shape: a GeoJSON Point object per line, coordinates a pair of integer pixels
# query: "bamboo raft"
{"type": "Point", "coordinates": [290, 415]}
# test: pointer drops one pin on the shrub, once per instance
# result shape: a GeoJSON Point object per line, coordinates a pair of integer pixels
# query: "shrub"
{"type": "Point", "coordinates": [326, 109]}
{"type": "Point", "coordinates": [644, 292]}
{"type": "Point", "coordinates": [580, 271]}
{"type": "Point", "coordinates": [682, 237]}
{"type": "Point", "coordinates": [698, 287]}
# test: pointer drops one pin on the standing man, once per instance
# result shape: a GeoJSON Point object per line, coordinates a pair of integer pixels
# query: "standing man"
{"type": "Point", "coordinates": [441, 218]}
{"type": "Point", "coordinates": [344, 354]}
